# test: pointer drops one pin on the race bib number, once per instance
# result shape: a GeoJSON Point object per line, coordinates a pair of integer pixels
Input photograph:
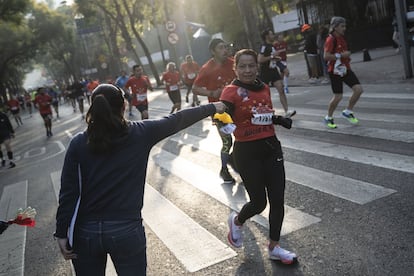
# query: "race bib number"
{"type": "Point", "coordinates": [14, 108]}
{"type": "Point", "coordinates": [262, 119]}
{"type": "Point", "coordinates": [141, 97]}
{"type": "Point", "coordinates": [173, 87]}
{"type": "Point", "coordinates": [191, 76]}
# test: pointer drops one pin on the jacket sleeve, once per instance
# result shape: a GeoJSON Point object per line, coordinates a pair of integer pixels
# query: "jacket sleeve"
{"type": "Point", "coordinates": [69, 190]}
{"type": "Point", "coordinates": [173, 123]}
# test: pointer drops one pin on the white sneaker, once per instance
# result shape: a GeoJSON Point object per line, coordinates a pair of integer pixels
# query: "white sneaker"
{"type": "Point", "coordinates": [235, 236]}
{"type": "Point", "coordinates": [283, 255]}
{"type": "Point", "coordinates": [312, 80]}
{"type": "Point", "coordinates": [290, 113]}
{"type": "Point", "coordinates": [325, 81]}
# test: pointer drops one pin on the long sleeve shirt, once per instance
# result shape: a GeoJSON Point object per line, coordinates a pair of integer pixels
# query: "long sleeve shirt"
{"type": "Point", "coordinates": [113, 184]}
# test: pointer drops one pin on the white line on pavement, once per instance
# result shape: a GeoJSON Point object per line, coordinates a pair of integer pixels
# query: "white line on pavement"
{"type": "Point", "coordinates": [343, 187]}
{"type": "Point", "coordinates": [13, 240]}
{"type": "Point", "coordinates": [233, 196]}
{"type": "Point", "coordinates": [181, 234]}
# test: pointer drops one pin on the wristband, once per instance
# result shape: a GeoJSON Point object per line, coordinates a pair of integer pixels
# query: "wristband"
{"type": "Point", "coordinates": [338, 55]}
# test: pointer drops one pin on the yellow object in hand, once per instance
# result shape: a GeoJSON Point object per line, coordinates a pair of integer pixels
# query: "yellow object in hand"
{"type": "Point", "coordinates": [223, 117]}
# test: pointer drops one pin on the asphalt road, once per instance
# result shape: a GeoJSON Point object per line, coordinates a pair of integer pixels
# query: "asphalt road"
{"type": "Point", "coordinates": [349, 207]}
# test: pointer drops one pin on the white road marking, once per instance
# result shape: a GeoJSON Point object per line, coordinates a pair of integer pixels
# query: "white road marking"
{"type": "Point", "coordinates": [181, 234]}
{"type": "Point", "coordinates": [343, 187]}
{"type": "Point", "coordinates": [13, 240]}
{"type": "Point", "coordinates": [374, 158]}
{"type": "Point", "coordinates": [233, 196]}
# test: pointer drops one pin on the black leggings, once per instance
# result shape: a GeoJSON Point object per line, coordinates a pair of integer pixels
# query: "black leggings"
{"type": "Point", "coordinates": [260, 164]}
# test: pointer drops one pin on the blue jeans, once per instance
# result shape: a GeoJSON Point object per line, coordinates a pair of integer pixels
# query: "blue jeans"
{"type": "Point", "coordinates": [123, 240]}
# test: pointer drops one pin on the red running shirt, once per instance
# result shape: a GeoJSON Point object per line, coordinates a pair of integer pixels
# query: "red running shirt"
{"type": "Point", "coordinates": [281, 46]}
{"type": "Point", "coordinates": [214, 75]}
{"type": "Point", "coordinates": [138, 88]}
{"type": "Point", "coordinates": [189, 72]}
{"type": "Point", "coordinates": [341, 47]}
{"type": "Point", "coordinates": [43, 101]}
{"type": "Point", "coordinates": [252, 113]}
{"type": "Point", "coordinates": [171, 80]}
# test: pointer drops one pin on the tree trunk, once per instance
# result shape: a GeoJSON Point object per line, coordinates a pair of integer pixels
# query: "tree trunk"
{"type": "Point", "coordinates": [249, 21]}
{"type": "Point", "coordinates": [142, 43]}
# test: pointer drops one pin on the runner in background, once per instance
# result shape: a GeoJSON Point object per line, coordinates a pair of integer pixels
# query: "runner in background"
{"type": "Point", "coordinates": [14, 107]}
{"type": "Point", "coordinates": [280, 46]}
{"type": "Point", "coordinates": [43, 102]}
{"type": "Point", "coordinates": [171, 79]}
{"type": "Point", "coordinates": [138, 85]}
{"type": "Point", "coordinates": [6, 133]}
{"type": "Point", "coordinates": [189, 70]}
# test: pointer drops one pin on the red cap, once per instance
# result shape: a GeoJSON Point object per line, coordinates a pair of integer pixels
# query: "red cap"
{"type": "Point", "coordinates": [305, 27]}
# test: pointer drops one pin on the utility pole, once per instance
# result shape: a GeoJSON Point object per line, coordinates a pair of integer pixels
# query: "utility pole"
{"type": "Point", "coordinates": [401, 14]}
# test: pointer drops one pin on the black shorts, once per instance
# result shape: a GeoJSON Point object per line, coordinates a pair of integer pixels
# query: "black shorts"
{"type": "Point", "coordinates": [4, 137]}
{"type": "Point", "coordinates": [46, 116]}
{"type": "Point", "coordinates": [175, 96]}
{"type": "Point", "coordinates": [270, 76]}
{"type": "Point", "coordinates": [15, 112]}
{"type": "Point", "coordinates": [142, 107]}
{"type": "Point", "coordinates": [349, 79]}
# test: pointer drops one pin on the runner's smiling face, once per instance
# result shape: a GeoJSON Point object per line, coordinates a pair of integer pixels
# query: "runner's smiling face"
{"type": "Point", "coordinates": [246, 69]}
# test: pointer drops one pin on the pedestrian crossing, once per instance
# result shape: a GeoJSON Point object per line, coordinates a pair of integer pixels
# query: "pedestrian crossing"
{"type": "Point", "coordinates": [180, 233]}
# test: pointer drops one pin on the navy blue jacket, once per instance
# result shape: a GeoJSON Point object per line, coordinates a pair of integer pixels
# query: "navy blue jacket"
{"type": "Point", "coordinates": [113, 184]}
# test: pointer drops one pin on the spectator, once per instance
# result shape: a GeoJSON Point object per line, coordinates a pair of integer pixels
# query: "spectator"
{"type": "Point", "coordinates": [311, 53]}
{"type": "Point", "coordinates": [105, 171]}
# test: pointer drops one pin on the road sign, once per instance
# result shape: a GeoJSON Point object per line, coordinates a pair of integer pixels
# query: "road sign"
{"type": "Point", "coordinates": [173, 38]}
{"type": "Point", "coordinates": [170, 26]}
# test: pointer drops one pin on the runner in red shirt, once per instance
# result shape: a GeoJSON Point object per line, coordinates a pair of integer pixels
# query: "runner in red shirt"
{"type": "Point", "coordinates": [337, 55]}
{"type": "Point", "coordinates": [189, 71]}
{"type": "Point", "coordinates": [43, 102]}
{"type": "Point", "coordinates": [280, 46]}
{"type": "Point", "coordinates": [137, 85]}
{"type": "Point", "coordinates": [171, 78]}
{"type": "Point", "coordinates": [14, 107]}
{"type": "Point", "coordinates": [214, 75]}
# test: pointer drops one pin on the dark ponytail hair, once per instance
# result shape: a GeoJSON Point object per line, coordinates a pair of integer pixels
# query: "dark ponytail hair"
{"type": "Point", "coordinates": [105, 118]}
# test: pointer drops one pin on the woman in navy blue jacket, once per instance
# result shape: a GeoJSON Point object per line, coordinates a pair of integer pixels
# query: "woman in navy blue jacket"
{"type": "Point", "coordinates": [104, 170]}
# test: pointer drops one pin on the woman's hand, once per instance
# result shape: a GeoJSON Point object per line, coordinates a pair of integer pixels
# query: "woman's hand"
{"type": "Point", "coordinates": [220, 107]}
{"type": "Point", "coordinates": [66, 251]}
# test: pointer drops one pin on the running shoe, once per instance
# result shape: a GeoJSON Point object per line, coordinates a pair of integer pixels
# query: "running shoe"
{"type": "Point", "coordinates": [12, 165]}
{"type": "Point", "coordinates": [329, 122]}
{"type": "Point", "coordinates": [186, 99]}
{"type": "Point", "coordinates": [283, 255]}
{"type": "Point", "coordinates": [290, 113]}
{"type": "Point", "coordinates": [350, 116]}
{"type": "Point", "coordinates": [226, 176]}
{"type": "Point", "coordinates": [235, 235]}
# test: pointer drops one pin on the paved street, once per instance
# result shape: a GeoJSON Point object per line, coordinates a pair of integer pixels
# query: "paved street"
{"type": "Point", "coordinates": [349, 207]}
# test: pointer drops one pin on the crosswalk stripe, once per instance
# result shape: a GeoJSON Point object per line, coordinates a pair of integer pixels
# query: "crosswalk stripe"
{"type": "Point", "coordinates": [365, 156]}
{"type": "Point", "coordinates": [407, 105]}
{"type": "Point", "coordinates": [233, 196]}
{"type": "Point", "coordinates": [181, 234]}
{"type": "Point", "coordinates": [13, 240]}
{"type": "Point", "coordinates": [390, 118]}
{"type": "Point", "coordinates": [343, 187]}
{"type": "Point", "coordinates": [359, 130]}
{"type": "Point", "coordinates": [353, 190]}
